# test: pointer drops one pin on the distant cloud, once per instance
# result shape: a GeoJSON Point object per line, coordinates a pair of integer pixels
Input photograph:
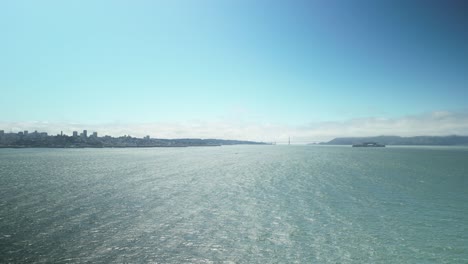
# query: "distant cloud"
{"type": "Point", "coordinates": [433, 124]}
{"type": "Point", "coordinates": [430, 124]}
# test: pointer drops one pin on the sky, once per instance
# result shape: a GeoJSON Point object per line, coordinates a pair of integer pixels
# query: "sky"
{"type": "Point", "coordinates": [258, 70]}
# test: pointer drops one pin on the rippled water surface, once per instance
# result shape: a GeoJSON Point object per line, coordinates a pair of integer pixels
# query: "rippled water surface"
{"type": "Point", "coordinates": [235, 204]}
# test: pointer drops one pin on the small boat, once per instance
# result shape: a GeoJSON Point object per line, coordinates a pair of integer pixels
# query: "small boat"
{"type": "Point", "coordinates": [368, 145]}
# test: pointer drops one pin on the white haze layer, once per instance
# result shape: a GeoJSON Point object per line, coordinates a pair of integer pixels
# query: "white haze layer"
{"type": "Point", "coordinates": [432, 124]}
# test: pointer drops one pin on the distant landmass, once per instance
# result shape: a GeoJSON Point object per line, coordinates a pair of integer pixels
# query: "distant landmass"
{"type": "Point", "coordinates": [396, 140]}
{"type": "Point", "coordinates": [36, 139]}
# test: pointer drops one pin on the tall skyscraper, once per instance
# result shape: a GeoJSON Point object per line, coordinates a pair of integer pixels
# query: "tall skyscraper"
{"type": "Point", "coordinates": [85, 133]}
{"type": "Point", "coordinates": [75, 133]}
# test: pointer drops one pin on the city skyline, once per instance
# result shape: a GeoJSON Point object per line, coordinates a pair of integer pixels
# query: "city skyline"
{"type": "Point", "coordinates": [39, 139]}
{"type": "Point", "coordinates": [237, 70]}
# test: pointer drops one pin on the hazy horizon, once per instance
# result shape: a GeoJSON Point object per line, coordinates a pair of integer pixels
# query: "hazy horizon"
{"type": "Point", "coordinates": [262, 70]}
{"type": "Point", "coordinates": [434, 124]}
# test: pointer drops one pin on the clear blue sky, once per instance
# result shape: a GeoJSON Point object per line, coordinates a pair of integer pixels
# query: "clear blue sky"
{"type": "Point", "coordinates": [289, 62]}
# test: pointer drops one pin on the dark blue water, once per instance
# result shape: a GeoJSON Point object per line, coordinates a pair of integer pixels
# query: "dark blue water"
{"type": "Point", "coordinates": [237, 204]}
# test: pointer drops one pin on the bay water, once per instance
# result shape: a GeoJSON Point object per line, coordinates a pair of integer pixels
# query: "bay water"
{"type": "Point", "coordinates": [234, 204]}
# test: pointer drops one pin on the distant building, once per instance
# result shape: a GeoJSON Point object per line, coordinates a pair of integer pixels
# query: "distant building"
{"type": "Point", "coordinates": [75, 133]}
{"type": "Point", "coordinates": [94, 134]}
{"type": "Point", "coordinates": [85, 133]}
{"type": "Point", "coordinates": [25, 132]}
{"type": "Point", "coordinates": [147, 137]}
{"type": "Point", "coordinates": [2, 132]}
{"type": "Point", "coordinates": [20, 133]}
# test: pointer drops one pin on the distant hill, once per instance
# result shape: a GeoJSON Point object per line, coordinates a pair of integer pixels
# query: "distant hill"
{"type": "Point", "coordinates": [396, 140]}
{"type": "Point", "coordinates": [211, 141]}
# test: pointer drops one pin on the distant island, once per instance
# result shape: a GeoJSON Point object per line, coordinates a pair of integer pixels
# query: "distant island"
{"type": "Point", "coordinates": [368, 145]}
{"type": "Point", "coordinates": [396, 140]}
{"type": "Point", "coordinates": [24, 139]}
